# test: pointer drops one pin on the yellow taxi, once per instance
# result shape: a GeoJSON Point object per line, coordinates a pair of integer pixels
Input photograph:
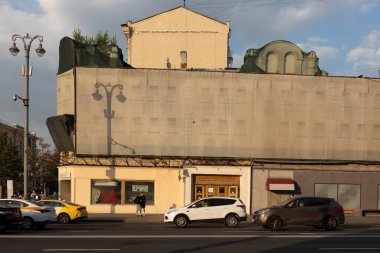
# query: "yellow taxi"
{"type": "Point", "coordinates": [66, 211]}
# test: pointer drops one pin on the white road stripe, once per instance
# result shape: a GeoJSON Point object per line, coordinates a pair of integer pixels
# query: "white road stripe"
{"type": "Point", "coordinates": [81, 250]}
{"type": "Point", "coordinates": [349, 248]}
{"type": "Point", "coordinates": [186, 236]}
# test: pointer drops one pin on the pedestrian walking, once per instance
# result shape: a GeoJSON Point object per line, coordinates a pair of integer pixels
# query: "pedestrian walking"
{"type": "Point", "coordinates": [33, 195]}
{"type": "Point", "coordinates": [142, 203]}
{"type": "Point", "coordinates": [138, 205]}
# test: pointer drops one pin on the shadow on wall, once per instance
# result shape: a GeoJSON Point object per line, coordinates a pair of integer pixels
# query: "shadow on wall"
{"type": "Point", "coordinates": [109, 114]}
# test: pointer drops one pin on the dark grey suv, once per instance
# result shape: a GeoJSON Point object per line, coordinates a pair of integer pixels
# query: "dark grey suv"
{"type": "Point", "coordinates": [314, 211]}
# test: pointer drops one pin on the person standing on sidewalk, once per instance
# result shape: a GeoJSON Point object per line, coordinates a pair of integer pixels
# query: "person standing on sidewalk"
{"type": "Point", "coordinates": [142, 203]}
{"type": "Point", "coordinates": [138, 205]}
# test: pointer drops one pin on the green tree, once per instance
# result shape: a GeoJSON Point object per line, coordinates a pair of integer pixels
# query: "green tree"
{"type": "Point", "coordinates": [101, 38]}
{"type": "Point", "coordinates": [10, 162]}
{"type": "Point", "coordinates": [43, 165]}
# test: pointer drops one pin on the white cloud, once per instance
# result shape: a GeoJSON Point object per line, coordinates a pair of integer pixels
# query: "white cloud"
{"type": "Point", "coordinates": [368, 6]}
{"type": "Point", "coordinates": [317, 44]}
{"type": "Point", "coordinates": [366, 57]}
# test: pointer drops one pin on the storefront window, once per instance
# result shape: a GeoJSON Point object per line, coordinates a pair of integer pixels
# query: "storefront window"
{"type": "Point", "coordinates": [105, 192]}
{"type": "Point", "coordinates": [348, 195]}
{"type": "Point", "coordinates": [326, 190]}
{"type": "Point", "coordinates": [133, 188]}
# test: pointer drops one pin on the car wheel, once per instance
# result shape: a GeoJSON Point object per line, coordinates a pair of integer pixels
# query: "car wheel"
{"type": "Point", "coordinates": [63, 218]}
{"type": "Point", "coordinates": [181, 221]}
{"type": "Point", "coordinates": [231, 221]}
{"type": "Point", "coordinates": [330, 224]}
{"type": "Point", "coordinates": [27, 223]}
{"type": "Point", "coordinates": [274, 223]}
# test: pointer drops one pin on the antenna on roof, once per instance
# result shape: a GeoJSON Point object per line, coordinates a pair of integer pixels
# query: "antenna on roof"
{"type": "Point", "coordinates": [184, 3]}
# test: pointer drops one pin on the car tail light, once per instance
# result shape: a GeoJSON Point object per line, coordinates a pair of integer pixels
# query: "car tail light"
{"type": "Point", "coordinates": [339, 208]}
{"type": "Point", "coordinates": [241, 206]}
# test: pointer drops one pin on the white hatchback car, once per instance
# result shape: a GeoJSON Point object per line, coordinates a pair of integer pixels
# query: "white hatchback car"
{"type": "Point", "coordinates": [33, 213]}
{"type": "Point", "coordinates": [229, 211]}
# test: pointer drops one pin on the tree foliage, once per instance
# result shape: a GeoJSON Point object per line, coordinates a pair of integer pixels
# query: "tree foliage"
{"type": "Point", "coordinates": [101, 38]}
{"type": "Point", "coordinates": [43, 165]}
{"type": "Point", "coordinates": [10, 161]}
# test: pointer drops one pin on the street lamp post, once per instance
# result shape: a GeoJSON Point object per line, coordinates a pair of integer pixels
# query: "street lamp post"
{"type": "Point", "coordinates": [27, 41]}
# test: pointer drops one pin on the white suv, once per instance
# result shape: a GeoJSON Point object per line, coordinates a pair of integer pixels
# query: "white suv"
{"type": "Point", "coordinates": [216, 209]}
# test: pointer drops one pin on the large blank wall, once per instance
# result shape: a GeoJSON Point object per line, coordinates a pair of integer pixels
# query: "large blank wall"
{"type": "Point", "coordinates": [220, 114]}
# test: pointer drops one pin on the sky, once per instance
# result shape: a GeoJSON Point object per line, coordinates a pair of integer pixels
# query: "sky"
{"type": "Point", "coordinates": [345, 34]}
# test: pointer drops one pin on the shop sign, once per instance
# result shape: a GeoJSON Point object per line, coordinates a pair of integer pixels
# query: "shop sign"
{"type": "Point", "coordinates": [65, 175]}
{"type": "Point", "coordinates": [105, 183]}
{"type": "Point", "coordinates": [140, 188]}
{"type": "Point", "coordinates": [217, 180]}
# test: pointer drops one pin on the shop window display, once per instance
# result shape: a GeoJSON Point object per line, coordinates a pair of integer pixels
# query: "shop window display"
{"type": "Point", "coordinates": [348, 195]}
{"type": "Point", "coordinates": [133, 188]}
{"type": "Point", "coordinates": [105, 192]}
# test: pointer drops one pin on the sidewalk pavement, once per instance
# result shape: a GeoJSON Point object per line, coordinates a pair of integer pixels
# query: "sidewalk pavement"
{"type": "Point", "coordinates": [159, 218]}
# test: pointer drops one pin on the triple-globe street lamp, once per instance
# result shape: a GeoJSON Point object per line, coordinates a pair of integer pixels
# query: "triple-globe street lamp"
{"type": "Point", "coordinates": [27, 40]}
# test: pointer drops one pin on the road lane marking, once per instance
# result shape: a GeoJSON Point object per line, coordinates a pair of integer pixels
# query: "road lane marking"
{"type": "Point", "coordinates": [186, 236]}
{"type": "Point", "coordinates": [349, 248]}
{"type": "Point", "coordinates": [80, 250]}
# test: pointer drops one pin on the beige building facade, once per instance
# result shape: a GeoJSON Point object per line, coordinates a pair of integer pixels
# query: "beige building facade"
{"type": "Point", "coordinates": [179, 39]}
{"type": "Point", "coordinates": [180, 135]}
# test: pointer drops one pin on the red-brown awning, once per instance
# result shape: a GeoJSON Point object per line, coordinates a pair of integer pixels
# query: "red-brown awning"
{"type": "Point", "coordinates": [280, 184]}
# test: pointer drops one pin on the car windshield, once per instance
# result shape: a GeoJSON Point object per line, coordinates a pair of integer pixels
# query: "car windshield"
{"type": "Point", "coordinates": [192, 203]}
{"type": "Point", "coordinates": [286, 202]}
{"type": "Point", "coordinates": [36, 203]}
{"type": "Point", "coordinates": [71, 203]}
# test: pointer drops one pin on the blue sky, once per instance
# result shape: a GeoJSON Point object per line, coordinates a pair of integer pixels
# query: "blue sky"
{"type": "Point", "coordinates": [345, 34]}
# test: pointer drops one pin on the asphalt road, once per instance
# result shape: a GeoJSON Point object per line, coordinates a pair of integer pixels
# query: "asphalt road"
{"type": "Point", "coordinates": [118, 236]}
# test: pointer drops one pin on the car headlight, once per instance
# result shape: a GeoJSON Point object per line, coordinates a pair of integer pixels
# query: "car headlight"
{"type": "Point", "coordinates": [172, 211]}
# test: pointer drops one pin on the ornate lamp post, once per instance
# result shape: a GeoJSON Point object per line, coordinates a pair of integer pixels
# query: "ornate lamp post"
{"type": "Point", "coordinates": [27, 41]}
{"type": "Point", "coordinates": [109, 113]}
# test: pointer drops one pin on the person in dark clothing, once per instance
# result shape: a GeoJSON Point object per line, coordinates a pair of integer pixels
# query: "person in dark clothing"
{"type": "Point", "coordinates": [138, 205]}
{"type": "Point", "coordinates": [142, 203]}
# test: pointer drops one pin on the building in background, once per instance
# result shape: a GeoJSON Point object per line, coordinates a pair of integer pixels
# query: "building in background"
{"type": "Point", "coordinates": [282, 57]}
{"type": "Point", "coordinates": [15, 137]}
{"type": "Point", "coordinates": [178, 39]}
